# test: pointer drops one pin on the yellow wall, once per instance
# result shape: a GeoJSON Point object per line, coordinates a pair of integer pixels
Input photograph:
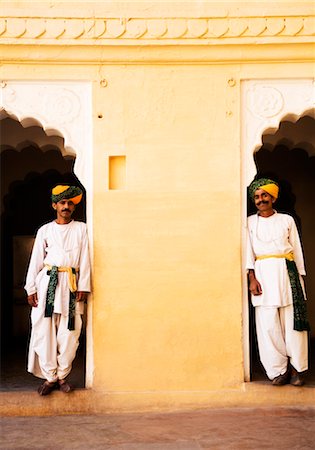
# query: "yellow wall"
{"type": "Point", "coordinates": [167, 269]}
{"type": "Point", "coordinates": [162, 267]}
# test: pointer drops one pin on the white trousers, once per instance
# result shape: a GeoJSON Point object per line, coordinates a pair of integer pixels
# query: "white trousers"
{"type": "Point", "coordinates": [278, 342]}
{"type": "Point", "coordinates": [53, 347]}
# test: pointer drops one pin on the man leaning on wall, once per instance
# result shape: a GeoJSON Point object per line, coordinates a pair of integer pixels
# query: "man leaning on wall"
{"type": "Point", "coordinates": [57, 285]}
{"type": "Point", "coordinates": [275, 267]}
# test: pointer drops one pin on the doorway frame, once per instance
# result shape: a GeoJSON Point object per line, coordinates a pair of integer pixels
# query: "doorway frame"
{"type": "Point", "coordinates": [60, 108]}
{"type": "Point", "coordinates": [264, 104]}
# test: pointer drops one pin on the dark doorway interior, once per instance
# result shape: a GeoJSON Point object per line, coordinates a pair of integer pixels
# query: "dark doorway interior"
{"type": "Point", "coordinates": [27, 176]}
{"type": "Point", "coordinates": [293, 167]}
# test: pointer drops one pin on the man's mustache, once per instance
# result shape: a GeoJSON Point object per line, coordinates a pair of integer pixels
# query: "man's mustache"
{"type": "Point", "coordinates": [66, 210]}
{"type": "Point", "coordinates": [262, 202]}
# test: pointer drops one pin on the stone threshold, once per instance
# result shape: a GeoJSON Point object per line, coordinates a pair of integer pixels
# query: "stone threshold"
{"type": "Point", "coordinates": [92, 401]}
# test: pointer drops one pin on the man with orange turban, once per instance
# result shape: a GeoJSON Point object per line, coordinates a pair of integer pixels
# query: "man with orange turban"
{"type": "Point", "coordinates": [57, 285]}
{"type": "Point", "coordinates": [275, 267]}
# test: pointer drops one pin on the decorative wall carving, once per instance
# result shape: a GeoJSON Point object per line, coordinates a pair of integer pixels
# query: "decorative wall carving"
{"type": "Point", "coordinates": [264, 101]}
{"type": "Point", "coordinates": [142, 29]}
{"type": "Point", "coordinates": [264, 104]}
{"type": "Point", "coordinates": [62, 104]}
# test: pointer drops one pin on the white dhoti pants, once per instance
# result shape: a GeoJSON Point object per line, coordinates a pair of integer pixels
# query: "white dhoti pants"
{"type": "Point", "coordinates": [278, 342]}
{"type": "Point", "coordinates": [52, 346]}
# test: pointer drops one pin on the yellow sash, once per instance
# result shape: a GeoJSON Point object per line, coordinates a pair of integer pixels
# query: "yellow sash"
{"type": "Point", "coordinates": [72, 279]}
{"type": "Point", "coordinates": [288, 256]}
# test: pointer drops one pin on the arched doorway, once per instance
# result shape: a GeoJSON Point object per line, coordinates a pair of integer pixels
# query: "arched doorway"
{"type": "Point", "coordinates": [31, 163]}
{"type": "Point", "coordinates": [264, 105]}
{"type": "Point", "coordinates": [288, 156]}
{"type": "Point", "coordinates": [62, 109]}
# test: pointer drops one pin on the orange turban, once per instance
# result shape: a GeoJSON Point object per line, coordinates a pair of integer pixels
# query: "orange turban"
{"type": "Point", "coordinates": [62, 192]}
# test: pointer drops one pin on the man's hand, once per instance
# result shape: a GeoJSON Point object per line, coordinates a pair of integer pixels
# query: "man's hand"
{"type": "Point", "coordinates": [32, 300]}
{"type": "Point", "coordinates": [81, 296]}
{"type": "Point", "coordinates": [254, 285]}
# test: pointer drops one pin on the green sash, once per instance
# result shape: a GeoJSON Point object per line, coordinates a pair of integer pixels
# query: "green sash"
{"type": "Point", "coordinates": [50, 297]}
{"type": "Point", "coordinates": [299, 304]}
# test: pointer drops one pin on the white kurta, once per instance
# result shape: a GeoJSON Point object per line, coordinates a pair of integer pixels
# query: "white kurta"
{"type": "Point", "coordinates": [59, 245]}
{"type": "Point", "coordinates": [56, 245]}
{"type": "Point", "coordinates": [276, 234]}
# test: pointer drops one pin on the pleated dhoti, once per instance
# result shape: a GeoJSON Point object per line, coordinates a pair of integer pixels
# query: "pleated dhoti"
{"type": "Point", "coordinates": [278, 343]}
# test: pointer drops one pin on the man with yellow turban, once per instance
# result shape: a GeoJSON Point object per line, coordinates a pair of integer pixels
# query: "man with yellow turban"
{"type": "Point", "coordinates": [275, 267]}
{"type": "Point", "coordinates": [57, 286]}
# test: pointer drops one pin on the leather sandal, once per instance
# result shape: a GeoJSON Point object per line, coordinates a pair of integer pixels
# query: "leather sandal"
{"type": "Point", "coordinates": [64, 386]}
{"type": "Point", "coordinates": [46, 388]}
{"type": "Point", "coordinates": [297, 378]}
{"type": "Point", "coordinates": [282, 379]}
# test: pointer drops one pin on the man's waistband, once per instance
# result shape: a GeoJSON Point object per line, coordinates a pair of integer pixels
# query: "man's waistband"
{"type": "Point", "coordinates": [288, 256]}
{"type": "Point", "coordinates": [72, 279]}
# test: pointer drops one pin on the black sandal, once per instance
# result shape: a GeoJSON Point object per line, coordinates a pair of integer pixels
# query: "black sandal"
{"type": "Point", "coordinates": [46, 388]}
{"type": "Point", "coordinates": [64, 386]}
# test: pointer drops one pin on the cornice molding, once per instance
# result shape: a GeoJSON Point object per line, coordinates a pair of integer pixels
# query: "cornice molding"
{"type": "Point", "coordinates": [54, 31]}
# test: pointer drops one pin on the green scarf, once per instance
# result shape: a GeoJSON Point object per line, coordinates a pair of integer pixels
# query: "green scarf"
{"type": "Point", "coordinates": [50, 298]}
{"type": "Point", "coordinates": [299, 305]}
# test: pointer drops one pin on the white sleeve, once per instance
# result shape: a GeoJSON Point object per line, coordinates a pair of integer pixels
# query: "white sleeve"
{"type": "Point", "coordinates": [36, 263]}
{"type": "Point", "coordinates": [250, 256]}
{"type": "Point", "coordinates": [294, 240]}
{"type": "Point", "coordinates": [84, 280]}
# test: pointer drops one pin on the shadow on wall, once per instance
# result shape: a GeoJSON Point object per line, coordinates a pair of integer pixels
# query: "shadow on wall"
{"type": "Point", "coordinates": [295, 171]}
{"type": "Point", "coordinates": [26, 205]}
{"type": "Point", "coordinates": [28, 173]}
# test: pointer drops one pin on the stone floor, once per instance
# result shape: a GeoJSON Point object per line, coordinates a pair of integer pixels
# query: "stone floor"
{"type": "Point", "coordinates": [257, 428]}
{"type": "Point", "coordinates": [227, 429]}
{"type": "Point", "coordinates": [244, 428]}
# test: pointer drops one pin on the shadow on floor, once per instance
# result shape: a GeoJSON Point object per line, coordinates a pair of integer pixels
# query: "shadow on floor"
{"type": "Point", "coordinates": [258, 372]}
{"type": "Point", "coordinates": [14, 375]}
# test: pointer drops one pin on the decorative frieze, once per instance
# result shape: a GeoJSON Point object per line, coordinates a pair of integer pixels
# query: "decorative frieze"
{"type": "Point", "coordinates": [147, 29]}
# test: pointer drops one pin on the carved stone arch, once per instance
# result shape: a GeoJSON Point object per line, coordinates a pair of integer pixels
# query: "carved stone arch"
{"type": "Point", "coordinates": [265, 103]}
{"type": "Point", "coordinates": [61, 109]}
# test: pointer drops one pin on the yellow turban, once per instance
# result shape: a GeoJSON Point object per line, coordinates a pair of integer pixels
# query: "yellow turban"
{"type": "Point", "coordinates": [267, 185]}
{"type": "Point", "coordinates": [62, 192]}
{"type": "Point", "coordinates": [272, 189]}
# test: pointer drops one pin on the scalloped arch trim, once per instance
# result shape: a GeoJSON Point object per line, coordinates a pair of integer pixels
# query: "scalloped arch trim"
{"type": "Point", "coordinates": [265, 103]}
{"type": "Point", "coordinates": [61, 109]}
